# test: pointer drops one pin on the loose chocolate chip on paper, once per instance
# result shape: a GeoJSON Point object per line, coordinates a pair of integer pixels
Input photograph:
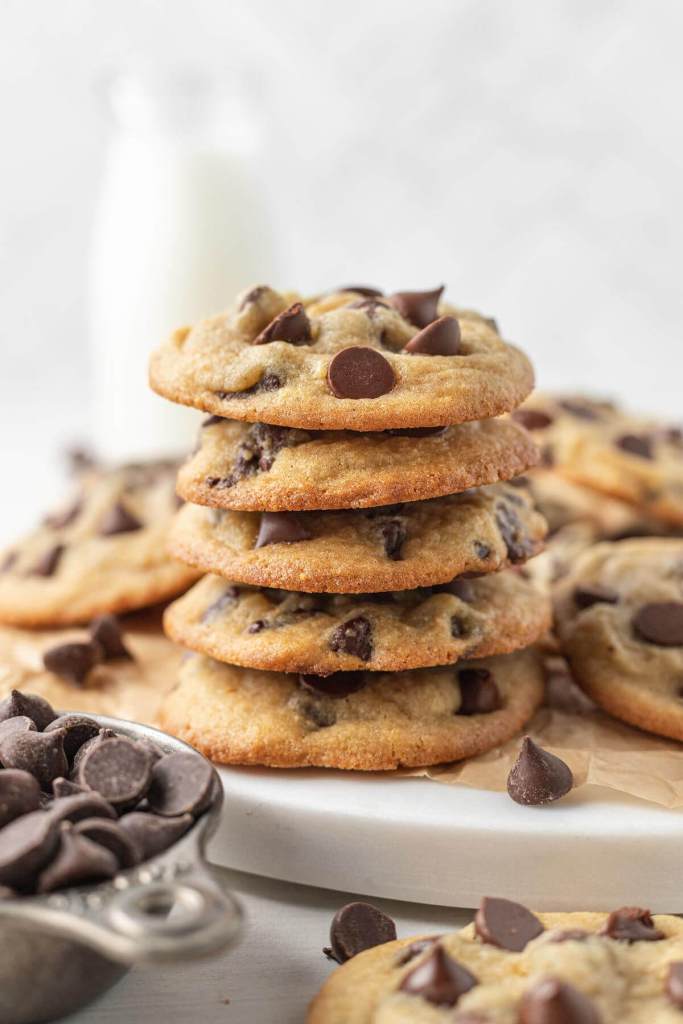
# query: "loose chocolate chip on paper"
{"type": "Point", "coordinates": [588, 594]}
{"type": "Point", "coordinates": [551, 1001]}
{"type": "Point", "coordinates": [440, 338]}
{"type": "Point", "coordinates": [40, 753]}
{"type": "Point", "coordinates": [153, 834]}
{"type": "Point", "coordinates": [291, 325]}
{"type": "Point", "coordinates": [635, 444]}
{"type": "Point", "coordinates": [181, 783]}
{"type": "Point", "coordinates": [415, 949]}
{"type": "Point", "coordinates": [280, 528]}
{"type": "Point", "coordinates": [505, 924]}
{"type": "Point", "coordinates": [29, 704]}
{"type": "Point", "coordinates": [439, 979]}
{"type": "Point", "coordinates": [118, 520]}
{"type": "Point", "coordinates": [674, 983]}
{"type": "Point", "coordinates": [28, 843]}
{"type": "Point", "coordinates": [339, 684]}
{"type": "Point", "coordinates": [78, 861]}
{"type": "Point", "coordinates": [419, 308]}
{"type": "Point", "coordinates": [353, 637]}
{"type": "Point", "coordinates": [360, 372]}
{"type": "Point", "coordinates": [532, 419]}
{"type": "Point", "coordinates": [537, 776]}
{"type": "Point", "coordinates": [114, 838]}
{"type": "Point", "coordinates": [106, 631]}
{"type": "Point", "coordinates": [660, 623]}
{"type": "Point", "coordinates": [73, 661]}
{"type": "Point", "coordinates": [119, 769]}
{"type": "Point", "coordinates": [359, 926]}
{"type": "Point", "coordinates": [78, 729]}
{"type": "Point", "coordinates": [631, 924]}
{"type": "Point", "coordinates": [479, 694]}
{"type": "Point", "coordinates": [48, 561]}
{"type": "Point", "coordinates": [19, 794]}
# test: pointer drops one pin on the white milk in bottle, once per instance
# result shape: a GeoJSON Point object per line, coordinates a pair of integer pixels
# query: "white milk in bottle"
{"type": "Point", "coordinates": [181, 228]}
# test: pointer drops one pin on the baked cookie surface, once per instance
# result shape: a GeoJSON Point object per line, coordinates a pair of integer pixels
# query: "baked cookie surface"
{"type": "Point", "coordinates": [265, 468]}
{"type": "Point", "coordinates": [619, 617]}
{"type": "Point", "coordinates": [598, 445]}
{"type": "Point", "coordinates": [324, 633]}
{"type": "Point", "coordinates": [364, 721]}
{"type": "Point", "coordinates": [341, 362]}
{"type": "Point", "coordinates": [396, 547]}
{"type": "Point", "coordinates": [103, 552]}
{"type": "Point", "coordinates": [574, 970]}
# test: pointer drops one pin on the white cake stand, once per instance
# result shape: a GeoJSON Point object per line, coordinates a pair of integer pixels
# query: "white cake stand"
{"type": "Point", "coordinates": [418, 840]}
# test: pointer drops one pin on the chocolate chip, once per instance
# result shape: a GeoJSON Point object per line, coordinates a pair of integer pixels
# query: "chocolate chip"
{"type": "Point", "coordinates": [19, 794]}
{"type": "Point", "coordinates": [361, 289]}
{"type": "Point", "coordinates": [73, 661]}
{"type": "Point", "coordinates": [81, 805]}
{"type": "Point", "coordinates": [211, 421]}
{"type": "Point", "coordinates": [78, 729]}
{"type": "Point", "coordinates": [280, 528]}
{"type": "Point", "coordinates": [458, 627]}
{"type": "Point", "coordinates": [518, 545]}
{"type": "Point", "coordinates": [20, 723]}
{"type": "Point", "coordinates": [181, 784]}
{"type": "Point", "coordinates": [27, 845]}
{"type": "Point", "coordinates": [660, 623]}
{"type": "Point", "coordinates": [561, 692]}
{"type": "Point", "coordinates": [253, 296]}
{"type": "Point", "coordinates": [353, 637]}
{"type": "Point", "coordinates": [674, 983]}
{"type": "Point", "coordinates": [636, 445]}
{"type": "Point", "coordinates": [588, 594]}
{"type": "Point", "coordinates": [102, 735]}
{"type": "Point", "coordinates": [537, 776]}
{"type": "Point", "coordinates": [48, 561]}
{"type": "Point", "coordinates": [339, 684]}
{"type": "Point", "coordinates": [631, 924]}
{"type": "Point", "coordinates": [582, 410]}
{"type": "Point", "coordinates": [291, 325]}
{"type": "Point", "coordinates": [481, 550]}
{"type": "Point", "coordinates": [360, 372]}
{"type": "Point", "coordinates": [114, 838]}
{"type": "Point", "coordinates": [551, 1001]}
{"type": "Point", "coordinates": [420, 308]}
{"type": "Point", "coordinates": [40, 753]}
{"type": "Point", "coordinates": [532, 419]}
{"type": "Point", "coordinates": [505, 924]}
{"type": "Point", "coordinates": [106, 631]}
{"type": "Point", "coordinates": [258, 452]}
{"type": "Point", "coordinates": [359, 926]}
{"type": "Point", "coordinates": [152, 834]}
{"type": "Point", "coordinates": [269, 382]}
{"type": "Point", "coordinates": [439, 979]}
{"type": "Point", "coordinates": [320, 715]}
{"type": "Point", "coordinates": [460, 588]}
{"type": "Point", "coordinates": [440, 338]}
{"type": "Point", "coordinates": [393, 533]}
{"type": "Point", "coordinates": [409, 953]}
{"type": "Point", "coordinates": [29, 704]}
{"type": "Point", "coordinates": [217, 607]}
{"type": "Point", "coordinates": [118, 519]}
{"type": "Point", "coordinates": [62, 787]}
{"type": "Point", "coordinates": [58, 520]}
{"type": "Point", "coordinates": [119, 769]}
{"type": "Point", "coordinates": [257, 626]}
{"type": "Point", "coordinates": [479, 694]}
{"type": "Point", "coordinates": [78, 861]}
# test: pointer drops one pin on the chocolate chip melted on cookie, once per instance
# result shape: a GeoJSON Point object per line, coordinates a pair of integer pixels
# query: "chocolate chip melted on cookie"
{"type": "Point", "coordinates": [258, 452]}
{"type": "Point", "coordinates": [353, 637]}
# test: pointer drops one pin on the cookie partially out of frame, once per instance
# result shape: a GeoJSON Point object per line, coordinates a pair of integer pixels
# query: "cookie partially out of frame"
{"type": "Point", "coordinates": [516, 967]}
{"type": "Point", "coordinates": [105, 551]}
{"type": "Point", "coordinates": [365, 721]}
{"type": "Point", "coordinates": [324, 633]}
{"type": "Point", "coordinates": [259, 467]}
{"type": "Point", "coordinates": [395, 547]}
{"type": "Point", "coordinates": [346, 362]}
{"type": "Point", "coordinates": [598, 445]}
{"type": "Point", "coordinates": [619, 616]}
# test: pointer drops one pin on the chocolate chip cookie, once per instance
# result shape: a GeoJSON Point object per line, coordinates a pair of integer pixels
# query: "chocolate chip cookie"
{"type": "Point", "coordinates": [597, 444]}
{"type": "Point", "coordinates": [265, 468]}
{"type": "Point", "coordinates": [324, 633]}
{"type": "Point", "coordinates": [619, 617]}
{"type": "Point", "coordinates": [355, 720]}
{"type": "Point", "coordinates": [512, 966]}
{"type": "Point", "coordinates": [396, 547]}
{"type": "Point", "coordinates": [349, 361]}
{"type": "Point", "coordinates": [102, 552]}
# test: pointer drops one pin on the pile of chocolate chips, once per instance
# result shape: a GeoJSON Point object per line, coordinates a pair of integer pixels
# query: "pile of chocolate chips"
{"type": "Point", "coordinates": [79, 803]}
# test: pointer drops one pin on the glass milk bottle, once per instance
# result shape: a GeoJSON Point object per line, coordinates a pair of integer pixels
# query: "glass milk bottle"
{"type": "Point", "coordinates": [181, 227]}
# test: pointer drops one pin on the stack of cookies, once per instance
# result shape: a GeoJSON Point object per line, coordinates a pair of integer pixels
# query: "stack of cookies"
{"type": "Point", "coordinates": [352, 500]}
